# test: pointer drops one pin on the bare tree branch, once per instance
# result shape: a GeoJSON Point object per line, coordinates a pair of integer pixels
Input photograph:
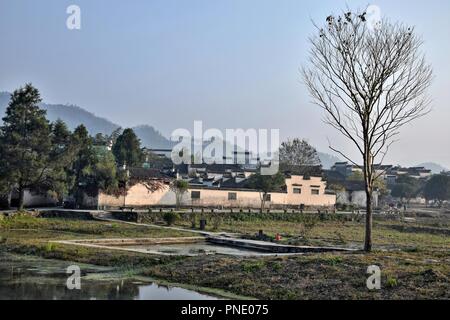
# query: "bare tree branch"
{"type": "Point", "coordinates": [370, 83]}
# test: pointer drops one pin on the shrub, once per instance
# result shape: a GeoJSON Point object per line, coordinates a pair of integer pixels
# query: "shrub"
{"type": "Point", "coordinates": [276, 266]}
{"type": "Point", "coordinates": [171, 217]}
{"type": "Point", "coordinates": [306, 226]}
{"type": "Point", "coordinates": [216, 220]}
{"type": "Point", "coordinates": [334, 260]}
{"type": "Point", "coordinates": [391, 282]}
{"type": "Point", "coordinates": [192, 217]}
{"type": "Point", "coordinates": [252, 266]}
{"type": "Point", "coordinates": [49, 247]}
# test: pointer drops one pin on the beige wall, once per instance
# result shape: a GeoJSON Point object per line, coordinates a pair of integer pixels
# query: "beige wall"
{"type": "Point", "coordinates": [138, 195]}
{"type": "Point", "coordinates": [306, 196]}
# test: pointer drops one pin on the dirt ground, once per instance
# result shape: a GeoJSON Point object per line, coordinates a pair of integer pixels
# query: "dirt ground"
{"type": "Point", "coordinates": [413, 255]}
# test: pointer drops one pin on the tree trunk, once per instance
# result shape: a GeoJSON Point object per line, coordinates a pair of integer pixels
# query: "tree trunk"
{"type": "Point", "coordinates": [368, 237]}
{"type": "Point", "coordinates": [177, 200]}
{"type": "Point", "coordinates": [368, 181]}
{"type": "Point", "coordinates": [78, 198]}
{"type": "Point", "coordinates": [263, 201]}
{"type": "Point", "coordinates": [21, 198]}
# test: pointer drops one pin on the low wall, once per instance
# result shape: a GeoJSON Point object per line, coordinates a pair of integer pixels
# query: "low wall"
{"type": "Point", "coordinates": [80, 215]}
{"type": "Point", "coordinates": [126, 216]}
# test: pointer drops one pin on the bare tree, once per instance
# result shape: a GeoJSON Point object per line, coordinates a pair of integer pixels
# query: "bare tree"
{"type": "Point", "coordinates": [298, 153]}
{"type": "Point", "coordinates": [370, 80]}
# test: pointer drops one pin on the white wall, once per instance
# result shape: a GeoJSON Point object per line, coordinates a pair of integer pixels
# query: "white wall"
{"type": "Point", "coordinates": [31, 199]}
{"type": "Point", "coordinates": [356, 198]}
{"type": "Point", "coordinates": [139, 195]}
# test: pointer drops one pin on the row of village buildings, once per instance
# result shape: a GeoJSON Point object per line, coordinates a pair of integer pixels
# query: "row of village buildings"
{"type": "Point", "coordinates": [225, 186]}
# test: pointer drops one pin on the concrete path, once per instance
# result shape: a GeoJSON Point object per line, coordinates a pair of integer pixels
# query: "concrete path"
{"type": "Point", "coordinates": [273, 247]}
{"type": "Point", "coordinates": [229, 239]}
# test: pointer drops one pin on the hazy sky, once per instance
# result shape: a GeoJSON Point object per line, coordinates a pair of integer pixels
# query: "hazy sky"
{"type": "Point", "coordinates": [230, 63]}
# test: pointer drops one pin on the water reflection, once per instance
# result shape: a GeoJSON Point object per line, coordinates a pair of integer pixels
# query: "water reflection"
{"type": "Point", "coordinates": [26, 278]}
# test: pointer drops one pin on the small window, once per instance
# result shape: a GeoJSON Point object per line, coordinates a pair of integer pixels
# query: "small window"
{"type": "Point", "coordinates": [268, 197]}
{"type": "Point", "coordinates": [315, 192]}
{"type": "Point", "coordinates": [297, 190]}
{"type": "Point", "coordinates": [195, 195]}
{"type": "Point", "coordinates": [232, 196]}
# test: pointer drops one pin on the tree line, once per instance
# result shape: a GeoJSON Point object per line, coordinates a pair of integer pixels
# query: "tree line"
{"type": "Point", "coordinates": [49, 158]}
{"type": "Point", "coordinates": [435, 189]}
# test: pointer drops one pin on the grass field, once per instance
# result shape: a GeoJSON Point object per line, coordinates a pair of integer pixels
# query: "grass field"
{"type": "Point", "coordinates": [414, 257]}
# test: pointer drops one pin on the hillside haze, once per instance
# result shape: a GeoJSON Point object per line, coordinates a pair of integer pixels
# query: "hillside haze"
{"type": "Point", "coordinates": [434, 167]}
{"type": "Point", "coordinates": [73, 116]}
{"type": "Point", "coordinates": [152, 138]}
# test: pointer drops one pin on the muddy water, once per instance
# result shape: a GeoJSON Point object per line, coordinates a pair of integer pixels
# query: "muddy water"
{"type": "Point", "coordinates": [194, 249]}
{"type": "Point", "coordinates": [30, 278]}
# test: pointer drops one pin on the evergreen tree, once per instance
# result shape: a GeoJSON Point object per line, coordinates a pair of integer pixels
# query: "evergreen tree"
{"type": "Point", "coordinates": [406, 188]}
{"type": "Point", "coordinates": [265, 184]}
{"type": "Point", "coordinates": [25, 139]}
{"type": "Point", "coordinates": [105, 170]}
{"type": "Point", "coordinates": [93, 169]}
{"type": "Point", "coordinates": [437, 189]}
{"type": "Point", "coordinates": [127, 149]}
{"type": "Point", "coordinates": [101, 140]}
{"type": "Point", "coordinates": [5, 181]}
{"type": "Point", "coordinates": [82, 167]}
{"type": "Point", "coordinates": [62, 156]}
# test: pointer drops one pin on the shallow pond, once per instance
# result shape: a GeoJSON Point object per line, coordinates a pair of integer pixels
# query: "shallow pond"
{"type": "Point", "coordinates": [193, 249]}
{"type": "Point", "coordinates": [31, 278]}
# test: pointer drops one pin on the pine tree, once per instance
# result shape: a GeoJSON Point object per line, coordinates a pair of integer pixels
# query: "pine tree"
{"type": "Point", "coordinates": [5, 180]}
{"type": "Point", "coordinates": [25, 140]}
{"type": "Point", "coordinates": [82, 167]}
{"type": "Point", "coordinates": [127, 149]}
{"type": "Point", "coordinates": [93, 168]}
{"type": "Point", "coordinates": [62, 156]}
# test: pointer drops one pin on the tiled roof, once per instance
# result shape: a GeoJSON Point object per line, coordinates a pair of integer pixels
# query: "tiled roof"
{"type": "Point", "coordinates": [142, 173]}
{"type": "Point", "coordinates": [312, 171]}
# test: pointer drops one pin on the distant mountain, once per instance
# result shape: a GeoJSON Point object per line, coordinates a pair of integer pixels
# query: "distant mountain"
{"type": "Point", "coordinates": [434, 167]}
{"type": "Point", "coordinates": [152, 138]}
{"type": "Point", "coordinates": [328, 160]}
{"type": "Point", "coordinates": [73, 116]}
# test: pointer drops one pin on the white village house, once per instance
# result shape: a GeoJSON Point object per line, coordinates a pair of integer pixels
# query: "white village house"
{"type": "Point", "coordinates": [224, 186]}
